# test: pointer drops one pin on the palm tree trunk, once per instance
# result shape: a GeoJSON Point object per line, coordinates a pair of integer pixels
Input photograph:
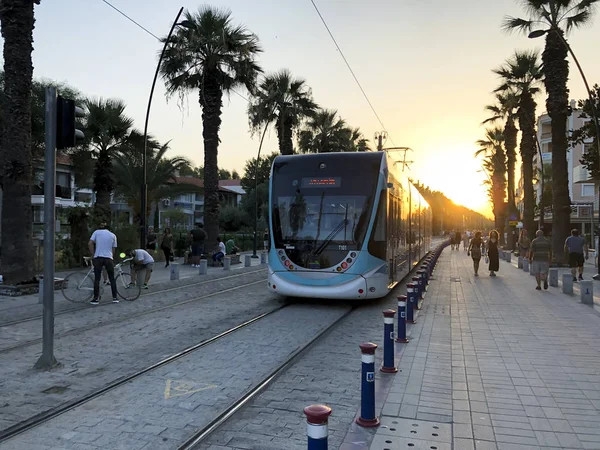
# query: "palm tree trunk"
{"type": "Point", "coordinates": [556, 70]}
{"type": "Point", "coordinates": [103, 185]}
{"type": "Point", "coordinates": [211, 101]}
{"type": "Point", "coordinates": [528, 149]}
{"type": "Point", "coordinates": [510, 143]}
{"type": "Point", "coordinates": [284, 135]}
{"type": "Point", "coordinates": [17, 228]}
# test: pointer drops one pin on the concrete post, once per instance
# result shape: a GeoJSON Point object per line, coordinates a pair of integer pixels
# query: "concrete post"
{"type": "Point", "coordinates": [567, 283]}
{"type": "Point", "coordinates": [586, 292]}
{"type": "Point", "coordinates": [508, 257]}
{"type": "Point", "coordinates": [525, 265]}
{"type": "Point", "coordinates": [203, 267]}
{"type": "Point", "coordinates": [41, 293]}
{"type": "Point", "coordinates": [531, 270]}
{"type": "Point", "coordinates": [263, 258]}
{"type": "Point", "coordinates": [174, 271]}
{"type": "Point", "coordinates": [227, 263]}
{"type": "Point", "coordinates": [247, 260]}
{"type": "Point", "coordinates": [553, 277]}
{"type": "Point", "coordinates": [520, 262]}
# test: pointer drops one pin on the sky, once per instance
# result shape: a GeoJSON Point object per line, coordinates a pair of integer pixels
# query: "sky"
{"type": "Point", "coordinates": [424, 64]}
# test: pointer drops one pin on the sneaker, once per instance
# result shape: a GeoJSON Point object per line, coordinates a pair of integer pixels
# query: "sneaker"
{"type": "Point", "coordinates": [574, 280]}
{"type": "Point", "coordinates": [94, 301]}
{"type": "Point", "coordinates": [537, 288]}
{"type": "Point", "coordinates": [476, 274]}
{"type": "Point", "coordinates": [581, 277]}
{"type": "Point", "coordinates": [145, 286]}
{"type": "Point", "coordinates": [131, 285]}
{"type": "Point", "coordinates": [115, 300]}
{"type": "Point", "coordinates": [545, 284]}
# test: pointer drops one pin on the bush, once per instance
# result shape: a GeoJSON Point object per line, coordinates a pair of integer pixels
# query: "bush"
{"type": "Point", "coordinates": [232, 218]}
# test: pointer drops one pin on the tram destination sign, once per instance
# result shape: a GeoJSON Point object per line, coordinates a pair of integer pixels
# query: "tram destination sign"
{"type": "Point", "coordinates": [323, 182]}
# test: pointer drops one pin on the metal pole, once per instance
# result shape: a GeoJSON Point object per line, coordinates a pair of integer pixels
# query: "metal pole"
{"type": "Point", "coordinates": [144, 190]}
{"type": "Point", "coordinates": [47, 359]}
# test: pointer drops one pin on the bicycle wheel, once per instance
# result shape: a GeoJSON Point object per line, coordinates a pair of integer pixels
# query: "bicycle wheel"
{"type": "Point", "coordinates": [77, 287]}
{"type": "Point", "coordinates": [125, 291]}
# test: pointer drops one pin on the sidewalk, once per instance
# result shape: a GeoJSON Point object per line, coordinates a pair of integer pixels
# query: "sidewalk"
{"type": "Point", "coordinates": [494, 364]}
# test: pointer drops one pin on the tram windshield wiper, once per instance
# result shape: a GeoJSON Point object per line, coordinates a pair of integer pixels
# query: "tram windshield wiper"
{"type": "Point", "coordinates": [330, 237]}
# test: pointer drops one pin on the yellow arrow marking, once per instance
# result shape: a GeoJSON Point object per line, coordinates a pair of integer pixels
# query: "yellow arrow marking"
{"type": "Point", "coordinates": [177, 388]}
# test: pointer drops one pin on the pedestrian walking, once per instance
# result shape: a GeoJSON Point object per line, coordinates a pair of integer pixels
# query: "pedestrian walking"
{"type": "Point", "coordinates": [167, 246]}
{"type": "Point", "coordinates": [151, 239]}
{"type": "Point", "coordinates": [475, 251]}
{"type": "Point", "coordinates": [102, 245]}
{"type": "Point", "coordinates": [540, 254]}
{"type": "Point", "coordinates": [198, 236]}
{"type": "Point", "coordinates": [492, 253]}
{"type": "Point", "coordinates": [524, 243]}
{"type": "Point", "coordinates": [577, 249]}
{"type": "Point", "coordinates": [142, 260]}
{"type": "Point", "coordinates": [457, 240]}
{"type": "Point", "coordinates": [466, 242]}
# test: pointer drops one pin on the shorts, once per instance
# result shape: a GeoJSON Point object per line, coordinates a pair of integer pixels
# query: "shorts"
{"type": "Point", "coordinates": [538, 267]}
{"type": "Point", "coordinates": [149, 266]}
{"type": "Point", "coordinates": [576, 260]}
{"type": "Point", "coordinates": [197, 249]}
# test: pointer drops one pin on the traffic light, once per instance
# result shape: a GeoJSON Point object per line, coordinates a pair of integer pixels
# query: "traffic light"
{"type": "Point", "coordinates": [67, 133]}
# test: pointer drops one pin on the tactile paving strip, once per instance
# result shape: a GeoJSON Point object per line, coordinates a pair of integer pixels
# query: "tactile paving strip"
{"type": "Point", "coordinates": [396, 433]}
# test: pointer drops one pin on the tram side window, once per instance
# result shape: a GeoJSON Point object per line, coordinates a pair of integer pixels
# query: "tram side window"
{"type": "Point", "coordinates": [378, 238]}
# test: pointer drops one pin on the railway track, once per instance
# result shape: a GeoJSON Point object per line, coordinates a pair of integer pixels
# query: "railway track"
{"type": "Point", "coordinates": [43, 417]}
{"type": "Point", "coordinates": [162, 291]}
{"type": "Point", "coordinates": [130, 316]}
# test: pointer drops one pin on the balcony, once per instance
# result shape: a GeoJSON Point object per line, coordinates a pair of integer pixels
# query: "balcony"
{"type": "Point", "coordinates": [61, 191]}
{"type": "Point", "coordinates": [581, 175]}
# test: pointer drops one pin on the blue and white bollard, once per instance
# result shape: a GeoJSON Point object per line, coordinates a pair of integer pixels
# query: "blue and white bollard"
{"type": "Point", "coordinates": [423, 274]}
{"type": "Point", "coordinates": [401, 333]}
{"type": "Point", "coordinates": [367, 399]}
{"type": "Point", "coordinates": [411, 302]}
{"type": "Point", "coordinates": [388, 365]}
{"type": "Point", "coordinates": [317, 431]}
{"type": "Point", "coordinates": [425, 270]}
{"type": "Point", "coordinates": [417, 281]}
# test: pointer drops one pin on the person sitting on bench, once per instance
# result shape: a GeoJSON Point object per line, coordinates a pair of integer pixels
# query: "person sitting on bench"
{"type": "Point", "coordinates": [220, 253]}
{"type": "Point", "coordinates": [231, 248]}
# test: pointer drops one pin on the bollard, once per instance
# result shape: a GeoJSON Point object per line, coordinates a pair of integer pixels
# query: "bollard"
{"type": "Point", "coordinates": [388, 342]}
{"type": "Point", "coordinates": [41, 292]}
{"type": "Point", "coordinates": [425, 269]}
{"type": "Point", "coordinates": [586, 292]}
{"type": "Point", "coordinates": [520, 262]}
{"type": "Point", "coordinates": [553, 277]}
{"type": "Point", "coordinates": [419, 289]}
{"type": "Point", "coordinates": [525, 265]}
{"type": "Point", "coordinates": [508, 257]}
{"type": "Point", "coordinates": [317, 431]}
{"type": "Point", "coordinates": [423, 281]}
{"type": "Point", "coordinates": [227, 263]}
{"type": "Point", "coordinates": [263, 258]}
{"type": "Point", "coordinates": [174, 271]}
{"type": "Point", "coordinates": [401, 336]}
{"type": "Point", "coordinates": [247, 260]}
{"type": "Point", "coordinates": [203, 267]}
{"type": "Point", "coordinates": [567, 283]}
{"type": "Point", "coordinates": [531, 272]}
{"type": "Point", "coordinates": [367, 387]}
{"type": "Point", "coordinates": [411, 303]}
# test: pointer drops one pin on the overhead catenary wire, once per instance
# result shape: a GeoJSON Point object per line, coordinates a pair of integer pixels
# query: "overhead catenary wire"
{"type": "Point", "coordinates": [350, 69]}
{"type": "Point", "coordinates": [152, 34]}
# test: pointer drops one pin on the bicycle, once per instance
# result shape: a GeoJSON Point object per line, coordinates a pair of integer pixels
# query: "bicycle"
{"type": "Point", "coordinates": [78, 287]}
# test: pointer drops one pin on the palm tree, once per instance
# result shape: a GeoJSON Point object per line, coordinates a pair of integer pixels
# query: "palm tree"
{"type": "Point", "coordinates": [213, 56]}
{"type": "Point", "coordinates": [161, 173]}
{"type": "Point", "coordinates": [324, 133]}
{"type": "Point", "coordinates": [284, 101]}
{"type": "Point", "coordinates": [558, 17]}
{"type": "Point", "coordinates": [355, 141]}
{"type": "Point", "coordinates": [522, 75]}
{"type": "Point", "coordinates": [107, 129]}
{"type": "Point", "coordinates": [16, 20]}
{"type": "Point", "coordinates": [495, 164]}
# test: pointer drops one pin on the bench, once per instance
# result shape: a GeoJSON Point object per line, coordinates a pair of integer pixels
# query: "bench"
{"type": "Point", "coordinates": [235, 259]}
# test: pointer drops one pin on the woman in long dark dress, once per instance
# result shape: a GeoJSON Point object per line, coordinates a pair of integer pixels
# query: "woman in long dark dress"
{"type": "Point", "coordinates": [492, 252]}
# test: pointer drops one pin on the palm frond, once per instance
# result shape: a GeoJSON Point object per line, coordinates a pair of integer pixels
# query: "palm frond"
{"type": "Point", "coordinates": [510, 24]}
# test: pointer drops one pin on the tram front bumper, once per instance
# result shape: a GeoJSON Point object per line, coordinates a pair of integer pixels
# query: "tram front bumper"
{"type": "Point", "coordinates": [354, 289]}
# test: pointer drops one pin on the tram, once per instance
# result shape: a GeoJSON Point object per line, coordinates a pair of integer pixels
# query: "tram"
{"type": "Point", "coordinates": [343, 225]}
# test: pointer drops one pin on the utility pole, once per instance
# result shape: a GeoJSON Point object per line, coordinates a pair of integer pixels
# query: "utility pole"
{"type": "Point", "coordinates": [380, 137]}
{"type": "Point", "coordinates": [47, 359]}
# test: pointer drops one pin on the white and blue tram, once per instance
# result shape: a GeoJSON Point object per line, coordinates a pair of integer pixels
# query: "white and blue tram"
{"type": "Point", "coordinates": [343, 225]}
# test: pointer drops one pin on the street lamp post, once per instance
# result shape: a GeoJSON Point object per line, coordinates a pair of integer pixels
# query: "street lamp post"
{"type": "Point", "coordinates": [539, 33]}
{"type": "Point", "coordinates": [254, 243]}
{"type": "Point", "coordinates": [144, 190]}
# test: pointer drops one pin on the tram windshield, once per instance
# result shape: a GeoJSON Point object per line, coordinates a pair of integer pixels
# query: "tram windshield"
{"type": "Point", "coordinates": [318, 219]}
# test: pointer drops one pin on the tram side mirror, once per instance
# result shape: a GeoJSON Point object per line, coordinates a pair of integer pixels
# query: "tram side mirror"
{"type": "Point", "coordinates": [390, 186]}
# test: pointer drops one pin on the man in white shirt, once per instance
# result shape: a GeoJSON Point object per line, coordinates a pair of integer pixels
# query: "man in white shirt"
{"type": "Point", "coordinates": [102, 246]}
{"type": "Point", "coordinates": [142, 260]}
{"type": "Point", "coordinates": [220, 253]}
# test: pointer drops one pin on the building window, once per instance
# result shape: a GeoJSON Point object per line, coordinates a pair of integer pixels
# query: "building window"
{"type": "Point", "coordinates": [587, 190]}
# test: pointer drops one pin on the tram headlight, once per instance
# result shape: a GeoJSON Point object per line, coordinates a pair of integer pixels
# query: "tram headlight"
{"type": "Point", "coordinates": [322, 166]}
